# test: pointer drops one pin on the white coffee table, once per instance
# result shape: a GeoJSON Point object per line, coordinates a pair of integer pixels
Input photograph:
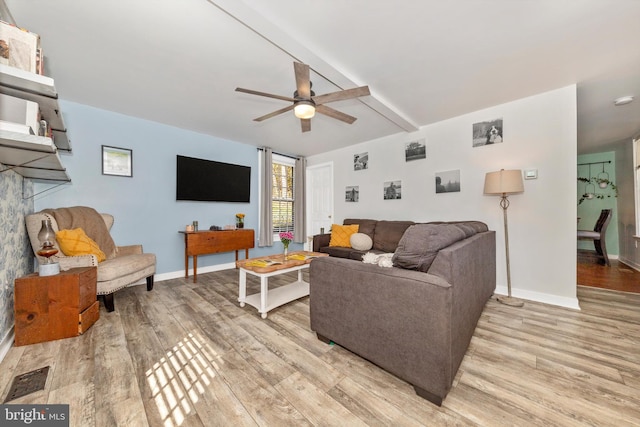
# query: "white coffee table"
{"type": "Point", "coordinates": [266, 299]}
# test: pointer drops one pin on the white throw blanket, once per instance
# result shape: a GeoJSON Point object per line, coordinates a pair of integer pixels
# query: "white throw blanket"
{"type": "Point", "coordinates": [383, 260]}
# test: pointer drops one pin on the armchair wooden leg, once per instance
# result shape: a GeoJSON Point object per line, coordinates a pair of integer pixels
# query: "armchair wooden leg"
{"type": "Point", "coordinates": [108, 302]}
{"type": "Point", "coordinates": [149, 283]}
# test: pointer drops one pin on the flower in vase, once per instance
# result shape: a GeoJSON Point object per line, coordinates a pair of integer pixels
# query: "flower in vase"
{"type": "Point", "coordinates": [286, 237]}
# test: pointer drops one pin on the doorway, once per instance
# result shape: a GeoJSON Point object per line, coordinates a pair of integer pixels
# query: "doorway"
{"type": "Point", "coordinates": [319, 198]}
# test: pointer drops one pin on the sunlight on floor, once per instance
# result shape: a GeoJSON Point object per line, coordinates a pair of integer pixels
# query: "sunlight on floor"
{"type": "Point", "coordinates": [177, 380]}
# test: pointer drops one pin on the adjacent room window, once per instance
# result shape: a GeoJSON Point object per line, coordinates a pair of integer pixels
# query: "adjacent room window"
{"type": "Point", "coordinates": [283, 196]}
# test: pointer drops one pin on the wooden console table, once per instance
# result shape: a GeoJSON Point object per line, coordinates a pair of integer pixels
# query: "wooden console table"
{"type": "Point", "coordinates": [212, 242]}
{"type": "Point", "coordinates": [54, 307]}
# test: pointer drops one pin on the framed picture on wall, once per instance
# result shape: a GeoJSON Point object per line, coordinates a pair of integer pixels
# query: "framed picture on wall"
{"type": "Point", "coordinates": [352, 194]}
{"type": "Point", "coordinates": [392, 190]}
{"type": "Point", "coordinates": [117, 161]}
{"type": "Point", "coordinates": [448, 182]}
{"type": "Point", "coordinates": [360, 161]}
{"type": "Point", "coordinates": [415, 150]}
{"type": "Point", "coordinates": [487, 133]}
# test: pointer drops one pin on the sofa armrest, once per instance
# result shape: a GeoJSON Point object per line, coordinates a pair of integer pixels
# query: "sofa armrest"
{"type": "Point", "coordinates": [320, 241]}
{"type": "Point", "coordinates": [128, 250]}
{"type": "Point", "coordinates": [69, 262]}
{"type": "Point", "coordinates": [398, 319]}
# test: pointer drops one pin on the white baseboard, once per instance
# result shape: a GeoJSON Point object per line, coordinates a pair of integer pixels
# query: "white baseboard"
{"type": "Point", "coordinates": [201, 270]}
{"type": "Point", "coordinates": [566, 302]}
{"type": "Point", "coordinates": [180, 274]}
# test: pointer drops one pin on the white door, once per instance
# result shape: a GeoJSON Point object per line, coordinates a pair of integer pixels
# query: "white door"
{"type": "Point", "coordinates": [319, 198]}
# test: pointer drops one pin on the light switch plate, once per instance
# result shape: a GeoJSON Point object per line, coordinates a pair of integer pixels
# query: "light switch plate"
{"type": "Point", "coordinates": [531, 174]}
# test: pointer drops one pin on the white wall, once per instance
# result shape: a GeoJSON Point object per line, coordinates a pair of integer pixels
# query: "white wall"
{"type": "Point", "coordinates": [539, 133]}
{"type": "Point", "coordinates": [625, 177]}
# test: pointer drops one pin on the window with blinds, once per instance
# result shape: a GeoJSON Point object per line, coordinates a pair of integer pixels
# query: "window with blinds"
{"type": "Point", "coordinates": [282, 200]}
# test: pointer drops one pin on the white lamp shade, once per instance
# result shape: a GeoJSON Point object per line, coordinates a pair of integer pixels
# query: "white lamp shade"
{"type": "Point", "coordinates": [304, 110]}
{"type": "Point", "coordinates": [503, 182]}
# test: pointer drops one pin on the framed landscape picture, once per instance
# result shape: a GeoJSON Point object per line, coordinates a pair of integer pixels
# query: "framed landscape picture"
{"type": "Point", "coordinates": [415, 150]}
{"type": "Point", "coordinates": [117, 161]}
{"type": "Point", "coordinates": [448, 182]}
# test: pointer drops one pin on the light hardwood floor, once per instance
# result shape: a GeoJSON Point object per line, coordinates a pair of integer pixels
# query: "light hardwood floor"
{"type": "Point", "coordinates": [187, 355]}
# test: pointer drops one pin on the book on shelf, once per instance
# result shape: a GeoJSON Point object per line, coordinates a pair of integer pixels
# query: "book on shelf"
{"type": "Point", "coordinates": [262, 263]}
{"type": "Point", "coordinates": [19, 48]}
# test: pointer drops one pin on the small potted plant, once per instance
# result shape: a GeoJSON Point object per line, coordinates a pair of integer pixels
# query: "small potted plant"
{"type": "Point", "coordinates": [239, 220]}
{"type": "Point", "coordinates": [286, 237]}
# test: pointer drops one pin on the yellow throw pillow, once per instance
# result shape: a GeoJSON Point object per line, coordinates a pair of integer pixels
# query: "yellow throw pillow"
{"type": "Point", "coordinates": [76, 242]}
{"type": "Point", "coordinates": [341, 234]}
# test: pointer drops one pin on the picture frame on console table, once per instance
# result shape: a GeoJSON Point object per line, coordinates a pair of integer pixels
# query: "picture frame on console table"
{"type": "Point", "coordinates": [117, 161]}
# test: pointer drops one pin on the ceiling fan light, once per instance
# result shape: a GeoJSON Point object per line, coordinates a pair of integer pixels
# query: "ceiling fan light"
{"type": "Point", "coordinates": [304, 110]}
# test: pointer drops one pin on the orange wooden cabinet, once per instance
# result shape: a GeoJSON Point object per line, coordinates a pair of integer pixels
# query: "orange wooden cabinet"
{"type": "Point", "coordinates": [54, 307]}
{"type": "Point", "coordinates": [212, 242]}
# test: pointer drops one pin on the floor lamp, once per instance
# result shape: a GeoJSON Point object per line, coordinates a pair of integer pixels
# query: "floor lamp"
{"type": "Point", "coordinates": [501, 183]}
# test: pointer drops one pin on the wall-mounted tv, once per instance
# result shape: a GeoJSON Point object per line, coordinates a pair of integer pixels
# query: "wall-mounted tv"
{"type": "Point", "coordinates": [210, 181]}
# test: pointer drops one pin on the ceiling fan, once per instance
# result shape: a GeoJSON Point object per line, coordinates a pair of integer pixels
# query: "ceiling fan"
{"type": "Point", "coordinates": [305, 103]}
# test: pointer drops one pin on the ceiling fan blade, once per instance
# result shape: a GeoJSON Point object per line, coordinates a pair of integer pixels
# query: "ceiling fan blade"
{"type": "Point", "coordinates": [306, 125]}
{"type": "Point", "coordinates": [273, 114]}
{"type": "Point", "coordinates": [268, 95]}
{"type": "Point", "coordinates": [328, 111]}
{"type": "Point", "coordinates": [303, 82]}
{"type": "Point", "coordinates": [342, 95]}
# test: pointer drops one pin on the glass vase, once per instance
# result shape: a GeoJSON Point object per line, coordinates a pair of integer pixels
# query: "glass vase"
{"type": "Point", "coordinates": [286, 250]}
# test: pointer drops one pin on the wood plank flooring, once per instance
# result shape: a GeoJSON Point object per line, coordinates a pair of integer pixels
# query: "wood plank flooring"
{"type": "Point", "coordinates": [187, 355]}
{"type": "Point", "coordinates": [592, 272]}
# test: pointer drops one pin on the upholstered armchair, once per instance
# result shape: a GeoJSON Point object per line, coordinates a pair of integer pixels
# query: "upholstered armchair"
{"type": "Point", "coordinates": [128, 265]}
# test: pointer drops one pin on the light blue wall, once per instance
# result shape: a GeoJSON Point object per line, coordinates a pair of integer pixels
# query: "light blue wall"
{"type": "Point", "coordinates": [589, 210]}
{"type": "Point", "coordinates": [145, 206]}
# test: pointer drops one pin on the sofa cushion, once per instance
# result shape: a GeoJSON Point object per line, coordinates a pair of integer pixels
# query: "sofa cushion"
{"type": "Point", "coordinates": [366, 226]}
{"type": "Point", "coordinates": [388, 234]}
{"type": "Point", "coordinates": [471, 227]}
{"type": "Point", "coordinates": [340, 234]}
{"type": "Point", "coordinates": [337, 251]}
{"type": "Point", "coordinates": [420, 244]}
{"type": "Point", "coordinates": [120, 266]}
{"type": "Point", "coordinates": [76, 242]}
{"type": "Point", "coordinates": [361, 242]}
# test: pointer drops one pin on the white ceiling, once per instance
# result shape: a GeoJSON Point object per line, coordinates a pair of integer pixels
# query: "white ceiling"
{"type": "Point", "coordinates": [178, 62]}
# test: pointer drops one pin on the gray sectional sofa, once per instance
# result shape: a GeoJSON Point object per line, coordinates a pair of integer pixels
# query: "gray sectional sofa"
{"type": "Point", "coordinates": [417, 318]}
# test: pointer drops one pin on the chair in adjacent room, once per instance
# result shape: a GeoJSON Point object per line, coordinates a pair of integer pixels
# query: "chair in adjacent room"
{"type": "Point", "coordinates": [598, 235]}
{"type": "Point", "coordinates": [124, 265]}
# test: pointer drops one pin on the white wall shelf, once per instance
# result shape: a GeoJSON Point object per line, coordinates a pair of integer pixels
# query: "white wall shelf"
{"type": "Point", "coordinates": [32, 156]}
{"type": "Point", "coordinates": [39, 89]}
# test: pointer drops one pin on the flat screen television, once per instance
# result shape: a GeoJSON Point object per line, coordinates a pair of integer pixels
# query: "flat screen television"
{"type": "Point", "coordinates": [211, 181]}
